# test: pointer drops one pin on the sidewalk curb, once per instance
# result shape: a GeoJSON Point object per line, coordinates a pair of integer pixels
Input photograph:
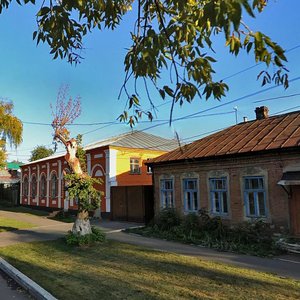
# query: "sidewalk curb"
{"type": "Point", "coordinates": [25, 282]}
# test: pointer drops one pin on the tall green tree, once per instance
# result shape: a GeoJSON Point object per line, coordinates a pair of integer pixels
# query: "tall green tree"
{"type": "Point", "coordinates": [11, 129]}
{"type": "Point", "coordinates": [176, 36]}
{"type": "Point", "coordinates": [40, 152]}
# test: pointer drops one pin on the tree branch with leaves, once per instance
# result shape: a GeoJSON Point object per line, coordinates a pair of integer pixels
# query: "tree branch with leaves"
{"type": "Point", "coordinates": [175, 36]}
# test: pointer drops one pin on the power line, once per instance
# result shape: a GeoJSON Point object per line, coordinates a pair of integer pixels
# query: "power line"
{"type": "Point", "coordinates": [275, 98]}
{"type": "Point", "coordinates": [221, 105]}
{"type": "Point", "coordinates": [167, 102]}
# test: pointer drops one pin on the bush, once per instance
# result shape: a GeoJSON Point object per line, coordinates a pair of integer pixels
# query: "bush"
{"type": "Point", "coordinates": [85, 240]}
{"type": "Point", "coordinates": [255, 237]}
{"type": "Point", "coordinates": [167, 219]}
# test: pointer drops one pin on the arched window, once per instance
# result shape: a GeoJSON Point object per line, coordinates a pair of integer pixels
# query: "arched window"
{"type": "Point", "coordinates": [43, 186]}
{"type": "Point", "coordinates": [25, 187]}
{"type": "Point", "coordinates": [33, 187]}
{"type": "Point", "coordinates": [53, 184]}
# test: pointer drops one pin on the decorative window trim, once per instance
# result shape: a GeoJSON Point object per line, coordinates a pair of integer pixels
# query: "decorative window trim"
{"type": "Point", "coordinates": [25, 186]}
{"type": "Point", "coordinates": [53, 189]}
{"type": "Point", "coordinates": [165, 193]}
{"type": "Point", "coordinates": [255, 191]}
{"type": "Point", "coordinates": [187, 191]}
{"type": "Point", "coordinates": [33, 187]}
{"type": "Point", "coordinates": [220, 191]}
{"type": "Point", "coordinates": [43, 194]}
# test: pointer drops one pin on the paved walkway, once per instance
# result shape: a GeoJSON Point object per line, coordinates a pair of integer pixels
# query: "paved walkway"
{"type": "Point", "coordinates": [45, 229]}
{"type": "Point", "coordinates": [286, 266]}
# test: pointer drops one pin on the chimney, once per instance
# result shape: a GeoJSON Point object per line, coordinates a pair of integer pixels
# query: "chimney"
{"type": "Point", "coordinates": [261, 112]}
{"type": "Point", "coordinates": [245, 119]}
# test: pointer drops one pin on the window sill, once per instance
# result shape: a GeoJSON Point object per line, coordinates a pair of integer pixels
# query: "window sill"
{"type": "Point", "coordinates": [257, 217]}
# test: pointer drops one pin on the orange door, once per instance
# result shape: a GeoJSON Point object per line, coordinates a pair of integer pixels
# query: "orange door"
{"type": "Point", "coordinates": [295, 211]}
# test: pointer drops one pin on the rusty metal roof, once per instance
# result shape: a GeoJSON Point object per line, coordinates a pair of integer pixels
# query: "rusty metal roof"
{"type": "Point", "coordinates": [272, 133]}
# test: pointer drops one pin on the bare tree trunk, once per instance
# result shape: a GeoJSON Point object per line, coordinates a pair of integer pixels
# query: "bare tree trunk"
{"type": "Point", "coordinates": [82, 225]}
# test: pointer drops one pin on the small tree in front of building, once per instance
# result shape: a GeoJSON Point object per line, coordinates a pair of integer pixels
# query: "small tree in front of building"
{"type": "Point", "coordinates": [40, 152]}
{"type": "Point", "coordinates": [80, 185]}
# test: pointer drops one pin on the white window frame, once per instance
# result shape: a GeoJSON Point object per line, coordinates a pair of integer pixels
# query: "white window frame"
{"type": "Point", "coordinates": [33, 187]}
{"type": "Point", "coordinates": [167, 194]}
{"type": "Point", "coordinates": [255, 192]}
{"type": "Point", "coordinates": [135, 165]}
{"type": "Point", "coordinates": [43, 187]}
{"type": "Point", "coordinates": [192, 194]}
{"type": "Point", "coordinates": [220, 191]}
{"type": "Point", "coordinates": [54, 186]}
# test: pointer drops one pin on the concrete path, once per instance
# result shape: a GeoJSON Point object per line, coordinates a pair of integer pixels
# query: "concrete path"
{"type": "Point", "coordinates": [284, 266]}
{"type": "Point", "coordinates": [45, 229]}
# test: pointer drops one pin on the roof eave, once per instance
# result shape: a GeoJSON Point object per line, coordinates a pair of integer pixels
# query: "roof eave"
{"type": "Point", "coordinates": [224, 156]}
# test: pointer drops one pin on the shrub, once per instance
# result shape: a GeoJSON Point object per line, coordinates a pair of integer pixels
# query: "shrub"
{"type": "Point", "coordinates": [254, 237]}
{"type": "Point", "coordinates": [85, 240]}
{"type": "Point", "coordinates": [168, 218]}
{"type": "Point", "coordinates": [191, 223]}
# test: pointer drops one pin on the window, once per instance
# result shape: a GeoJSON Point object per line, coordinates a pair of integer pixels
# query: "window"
{"type": "Point", "coordinates": [167, 193]}
{"type": "Point", "coordinates": [25, 187]}
{"type": "Point", "coordinates": [255, 196]}
{"type": "Point", "coordinates": [43, 186]}
{"type": "Point", "coordinates": [33, 187]}
{"type": "Point", "coordinates": [135, 166]}
{"type": "Point", "coordinates": [218, 195]}
{"type": "Point", "coordinates": [53, 186]}
{"type": "Point", "coordinates": [190, 195]}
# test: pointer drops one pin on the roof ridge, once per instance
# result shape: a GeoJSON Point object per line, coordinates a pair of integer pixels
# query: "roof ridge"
{"type": "Point", "coordinates": [245, 137]}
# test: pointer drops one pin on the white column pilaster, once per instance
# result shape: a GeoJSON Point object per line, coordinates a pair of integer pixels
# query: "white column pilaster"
{"type": "Point", "coordinates": [60, 177]}
{"type": "Point", "coordinates": [48, 185]}
{"type": "Point", "coordinates": [38, 184]}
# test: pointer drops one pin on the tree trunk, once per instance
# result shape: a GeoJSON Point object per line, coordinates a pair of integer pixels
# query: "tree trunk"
{"type": "Point", "coordinates": [82, 225]}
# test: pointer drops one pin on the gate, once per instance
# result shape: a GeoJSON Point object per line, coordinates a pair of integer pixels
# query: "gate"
{"type": "Point", "coordinates": [132, 203]}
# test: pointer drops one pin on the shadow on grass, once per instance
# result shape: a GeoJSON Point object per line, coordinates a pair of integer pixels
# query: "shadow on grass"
{"type": "Point", "coordinates": [26, 210]}
{"type": "Point", "coordinates": [121, 271]}
{"type": "Point", "coordinates": [7, 228]}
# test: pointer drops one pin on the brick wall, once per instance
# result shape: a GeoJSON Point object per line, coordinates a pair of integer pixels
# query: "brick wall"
{"type": "Point", "coordinates": [271, 166]}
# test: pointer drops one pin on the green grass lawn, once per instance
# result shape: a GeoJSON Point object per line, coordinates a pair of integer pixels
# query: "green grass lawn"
{"type": "Point", "coordinates": [120, 271]}
{"type": "Point", "coordinates": [7, 224]}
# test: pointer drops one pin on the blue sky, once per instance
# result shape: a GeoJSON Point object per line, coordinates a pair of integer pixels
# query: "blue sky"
{"type": "Point", "coordinates": [31, 79]}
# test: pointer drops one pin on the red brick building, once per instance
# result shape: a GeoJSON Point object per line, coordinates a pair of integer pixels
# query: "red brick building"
{"type": "Point", "coordinates": [247, 171]}
{"type": "Point", "coordinates": [118, 161]}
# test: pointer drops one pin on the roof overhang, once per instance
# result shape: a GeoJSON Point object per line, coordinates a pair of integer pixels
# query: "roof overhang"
{"type": "Point", "coordinates": [290, 178]}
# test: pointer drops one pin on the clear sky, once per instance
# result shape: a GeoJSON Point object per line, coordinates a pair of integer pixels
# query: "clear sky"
{"type": "Point", "coordinates": [31, 79]}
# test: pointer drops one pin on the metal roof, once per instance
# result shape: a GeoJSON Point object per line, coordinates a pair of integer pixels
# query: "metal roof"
{"type": "Point", "coordinates": [138, 140]}
{"type": "Point", "coordinates": [272, 133]}
{"type": "Point", "coordinates": [133, 140]}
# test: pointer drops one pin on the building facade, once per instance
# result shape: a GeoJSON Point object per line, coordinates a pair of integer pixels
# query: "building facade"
{"type": "Point", "coordinates": [246, 172]}
{"type": "Point", "coordinates": [118, 161]}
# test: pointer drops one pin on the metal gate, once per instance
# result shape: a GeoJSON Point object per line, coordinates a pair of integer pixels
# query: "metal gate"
{"type": "Point", "coordinates": [132, 203]}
